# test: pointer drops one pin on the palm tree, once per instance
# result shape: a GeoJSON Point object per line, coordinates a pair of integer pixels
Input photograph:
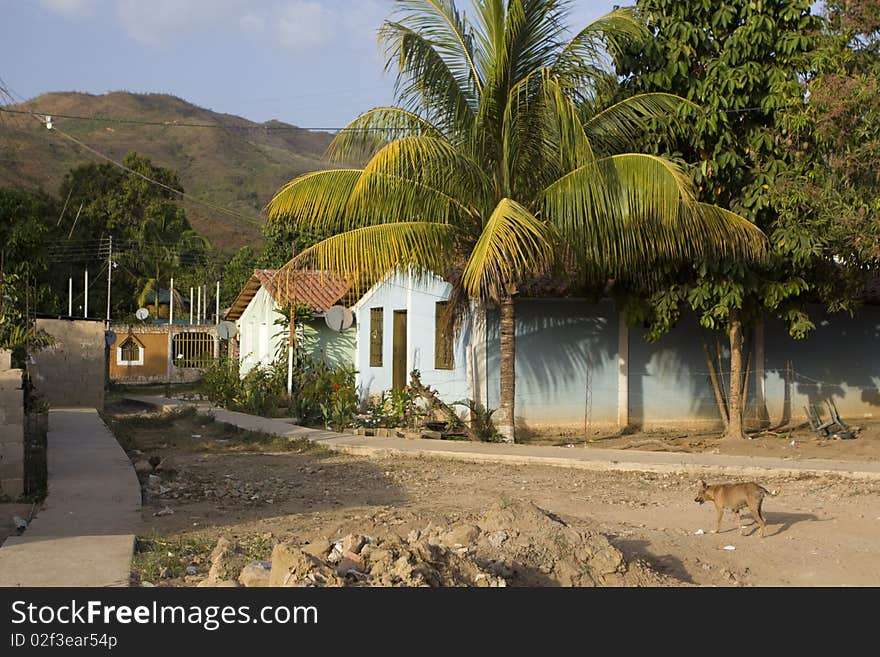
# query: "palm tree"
{"type": "Point", "coordinates": [499, 156]}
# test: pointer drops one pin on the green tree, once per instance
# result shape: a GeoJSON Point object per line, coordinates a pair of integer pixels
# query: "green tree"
{"type": "Point", "coordinates": [26, 233]}
{"type": "Point", "coordinates": [153, 239]}
{"type": "Point", "coordinates": [831, 193]}
{"type": "Point", "coordinates": [742, 62]}
{"type": "Point", "coordinates": [498, 157]}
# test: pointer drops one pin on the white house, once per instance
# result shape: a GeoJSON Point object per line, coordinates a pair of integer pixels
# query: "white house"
{"type": "Point", "coordinates": [400, 327]}
{"type": "Point", "coordinates": [256, 313]}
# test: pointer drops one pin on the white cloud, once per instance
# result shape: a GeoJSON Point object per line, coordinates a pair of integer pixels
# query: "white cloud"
{"type": "Point", "coordinates": [304, 24]}
{"type": "Point", "coordinates": [156, 22]}
{"type": "Point", "coordinates": [251, 22]}
{"type": "Point", "coordinates": [71, 8]}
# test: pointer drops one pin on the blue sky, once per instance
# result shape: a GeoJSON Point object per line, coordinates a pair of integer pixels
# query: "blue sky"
{"type": "Point", "coordinates": [313, 63]}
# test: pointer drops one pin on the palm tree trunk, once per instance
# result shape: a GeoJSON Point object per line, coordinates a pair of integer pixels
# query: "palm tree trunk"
{"type": "Point", "coordinates": [735, 398]}
{"type": "Point", "coordinates": [507, 372]}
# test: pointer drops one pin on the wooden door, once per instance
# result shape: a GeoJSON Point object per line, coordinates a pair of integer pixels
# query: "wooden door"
{"type": "Point", "coordinates": [398, 376]}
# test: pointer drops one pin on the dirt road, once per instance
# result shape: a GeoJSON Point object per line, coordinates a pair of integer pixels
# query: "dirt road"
{"type": "Point", "coordinates": [821, 531]}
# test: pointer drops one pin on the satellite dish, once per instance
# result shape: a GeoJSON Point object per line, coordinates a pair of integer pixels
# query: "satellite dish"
{"type": "Point", "coordinates": [338, 318]}
{"type": "Point", "coordinates": [226, 330]}
{"type": "Point", "coordinates": [142, 313]}
{"type": "Point", "coordinates": [109, 337]}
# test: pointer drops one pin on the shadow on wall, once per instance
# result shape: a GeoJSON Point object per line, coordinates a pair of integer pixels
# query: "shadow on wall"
{"type": "Point", "coordinates": [566, 362]}
{"type": "Point", "coordinates": [840, 360]}
{"type": "Point", "coordinates": [669, 382]}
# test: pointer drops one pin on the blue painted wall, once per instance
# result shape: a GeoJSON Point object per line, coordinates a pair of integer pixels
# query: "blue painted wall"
{"type": "Point", "coordinates": [566, 364]}
{"type": "Point", "coordinates": [840, 360]}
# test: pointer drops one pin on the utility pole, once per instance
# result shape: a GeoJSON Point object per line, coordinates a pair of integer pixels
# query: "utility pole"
{"type": "Point", "coordinates": [109, 274]}
{"type": "Point", "coordinates": [217, 302]}
{"type": "Point", "coordinates": [199, 309]}
{"type": "Point", "coordinates": [190, 305]}
{"type": "Point", "coordinates": [86, 294]}
{"type": "Point", "coordinates": [291, 295]}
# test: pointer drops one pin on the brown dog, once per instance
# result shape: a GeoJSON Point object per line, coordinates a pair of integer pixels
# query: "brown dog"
{"type": "Point", "coordinates": [735, 497]}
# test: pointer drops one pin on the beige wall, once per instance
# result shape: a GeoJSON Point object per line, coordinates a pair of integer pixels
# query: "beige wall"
{"type": "Point", "coordinates": [11, 430]}
{"type": "Point", "coordinates": [71, 372]}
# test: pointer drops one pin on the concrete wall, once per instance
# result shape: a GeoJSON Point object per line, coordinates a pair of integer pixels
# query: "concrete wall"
{"type": "Point", "coordinates": [566, 365]}
{"type": "Point", "coordinates": [418, 299]}
{"type": "Point", "coordinates": [71, 372]}
{"type": "Point", "coordinates": [840, 360]}
{"type": "Point", "coordinates": [11, 430]}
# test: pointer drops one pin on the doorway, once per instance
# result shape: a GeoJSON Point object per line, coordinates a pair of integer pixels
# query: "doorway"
{"type": "Point", "coordinates": [398, 372]}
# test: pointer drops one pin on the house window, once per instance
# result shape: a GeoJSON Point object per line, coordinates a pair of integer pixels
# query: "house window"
{"type": "Point", "coordinates": [130, 352]}
{"type": "Point", "coordinates": [443, 356]}
{"type": "Point", "coordinates": [195, 349]}
{"type": "Point", "coordinates": [376, 319]}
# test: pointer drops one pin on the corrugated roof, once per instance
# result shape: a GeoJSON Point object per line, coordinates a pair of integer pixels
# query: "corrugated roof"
{"type": "Point", "coordinates": [319, 289]}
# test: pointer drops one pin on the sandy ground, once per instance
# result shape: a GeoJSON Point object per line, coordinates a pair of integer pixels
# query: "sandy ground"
{"type": "Point", "coordinates": [797, 442]}
{"type": "Point", "coordinates": [821, 531]}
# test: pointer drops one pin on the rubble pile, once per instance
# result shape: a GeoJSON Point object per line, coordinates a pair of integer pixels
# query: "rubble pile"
{"type": "Point", "coordinates": [515, 544]}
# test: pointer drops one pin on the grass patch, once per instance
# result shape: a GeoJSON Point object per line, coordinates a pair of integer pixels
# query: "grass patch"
{"type": "Point", "coordinates": [154, 553]}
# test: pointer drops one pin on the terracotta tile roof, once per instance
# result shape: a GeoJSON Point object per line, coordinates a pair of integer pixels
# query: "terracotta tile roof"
{"type": "Point", "coordinates": [320, 290]}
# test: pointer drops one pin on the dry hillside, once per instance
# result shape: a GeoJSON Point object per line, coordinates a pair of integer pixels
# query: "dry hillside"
{"type": "Point", "coordinates": [238, 164]}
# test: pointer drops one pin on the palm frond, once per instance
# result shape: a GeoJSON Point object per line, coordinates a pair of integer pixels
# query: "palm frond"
{"type": "Point", "coordinates": [448, 169]}
{"type": "Point", "coordinates": [315, 201]}
{"type": "Point", "coordinates": [426, 85]}
{"type": "Point", "coordinates": [372, 130]}
{"type": "Point", "coordinates": [640, 211]}
{"type": "Point", "coordinates": [513, 246]}
{"type": "Point", "coordinates": [620, 127]}
{"type": "Point", "coordinates": [603, 38]}
{"type": "Point", "coordinates": [440, 22]}
{"type": "Point", "coordinates": [366, 255]}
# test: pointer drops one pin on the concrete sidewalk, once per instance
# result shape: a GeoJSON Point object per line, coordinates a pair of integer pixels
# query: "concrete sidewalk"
{"type": "Point", "coordinates": [84, 534]}
{"type": "Point", "coordinates": [591, 458]}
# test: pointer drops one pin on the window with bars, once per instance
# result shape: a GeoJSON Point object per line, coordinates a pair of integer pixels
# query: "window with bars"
{"type": "Point", "coordinates": [130, 352]}
{"type": "Point", "coordinates": [192, 349]}
{"type": "Point", "coordinates": [443, 352]}
{"type": "Point", "coordinates": [376, 320]}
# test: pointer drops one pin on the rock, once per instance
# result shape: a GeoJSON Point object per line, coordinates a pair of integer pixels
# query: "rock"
{"type": "Point", "coordinates": [191, 570]}
{"type": "Point", "coordinates": [165, 573]}
{"type": "Point", "coordinates": [461, 535]}
{"type": "Point", "coordinates": [154, 480]}
{"type": "Point", "coordinates": [142, 466]}
{"type": "Point", "coordinates": [218, 584]}
{"type": "Point", "coordinates": [293, 567]}
{"type": "Point", "coordinates": [167, 465]}
{"type": "Point", "coordinates": [255, 574]}
{"type": "Point", "coordinates": [154, 461]}
{"type": "Point", "coordinates": [227, 560]}
{"type": "Point", "coordinates": [350, 561]}
{"type": "Point", "coordinates": [318, 549]}
{"type": "Point", "coordinates": [20, 523]}
{"type": "Point", "coordinates": [167, 511]}
{"type": "Point", "coordinates": [353, 543]}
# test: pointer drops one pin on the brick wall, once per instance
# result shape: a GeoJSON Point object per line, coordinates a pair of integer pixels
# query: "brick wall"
{"type": "Point", "coordinates": [11, 429]}
{"type": "Point", "coordinates": [72, 371]}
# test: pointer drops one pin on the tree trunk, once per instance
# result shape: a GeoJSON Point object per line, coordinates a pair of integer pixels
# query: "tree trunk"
{"type": "Point", "coordinates": [716, 386]}
{"type": "Point", "coordinates": [735, 398]}
{"type": "Point", "coordinates": [505, 421]}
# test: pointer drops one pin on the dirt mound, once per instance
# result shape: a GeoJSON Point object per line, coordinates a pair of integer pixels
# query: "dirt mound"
{"type": "Point", "coordinates": [511, 544]}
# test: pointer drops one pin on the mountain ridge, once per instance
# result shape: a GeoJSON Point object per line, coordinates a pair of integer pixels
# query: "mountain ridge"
{"type": "Point", "coordinates": [236, 164]}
